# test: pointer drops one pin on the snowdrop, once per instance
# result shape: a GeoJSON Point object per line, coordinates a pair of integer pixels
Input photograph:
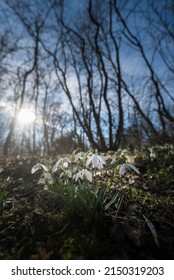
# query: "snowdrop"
{"type": "Point", "coordinates": [39, 166]}
{"type": "Point", "coordinates": [41, 181]}
{"type": "Point", "coordinates": [96, 161]}
{"type": "Point", "coordinates": [83, 174]}
{"type": "Point", "coordinates": [80, 156]}
{"type": "Point", "coordinates": [152, 153]}
{"type": "Point", "coordinates": [67, 173]}
{"type": "Point", "coordinates": [126, 166]}
{"type": "Point", "coordinates": [45, 188]}
{"type": "Point", "coordinates": [48, 177]}
{"type": "Point", "coordinates": [62, 163]}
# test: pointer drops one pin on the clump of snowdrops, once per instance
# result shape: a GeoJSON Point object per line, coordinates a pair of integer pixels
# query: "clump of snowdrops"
{"type": "Point", "coordinates": [76, 183]}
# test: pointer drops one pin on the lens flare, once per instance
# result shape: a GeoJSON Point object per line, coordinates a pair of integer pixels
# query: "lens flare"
{"type": "Point", "coordinates": [25, 117]}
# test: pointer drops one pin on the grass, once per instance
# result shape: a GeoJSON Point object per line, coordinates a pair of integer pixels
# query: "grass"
{"type": "Point", "coordinates": [60, 212]}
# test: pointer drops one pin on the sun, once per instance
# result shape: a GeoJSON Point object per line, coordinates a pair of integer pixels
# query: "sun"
{"type": "Point", "coordinates": [25, 117]}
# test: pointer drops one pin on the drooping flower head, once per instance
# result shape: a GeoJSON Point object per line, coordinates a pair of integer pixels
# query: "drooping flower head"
{"type": "Point", "coordinates": [39, 166]}
{"type": "Point", "coordinates": [61, 163]}
{"type": "Point", "coordinates": [126, 166]}
{"type": "Point", "coordinates": [83, 174]}
{"type": "Point", "coordinates": [96, 161]}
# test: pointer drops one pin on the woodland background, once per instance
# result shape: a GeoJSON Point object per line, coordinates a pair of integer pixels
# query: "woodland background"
{"type": "Point", "coordinates": [92, 73]}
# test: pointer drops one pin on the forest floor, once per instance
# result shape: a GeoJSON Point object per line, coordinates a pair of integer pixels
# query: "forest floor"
{"type": "Point", "coordinates": [138, 225]}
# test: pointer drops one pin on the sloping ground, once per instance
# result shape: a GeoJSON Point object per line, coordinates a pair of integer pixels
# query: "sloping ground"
{"type": "Point", "coordinates": [138, 225]}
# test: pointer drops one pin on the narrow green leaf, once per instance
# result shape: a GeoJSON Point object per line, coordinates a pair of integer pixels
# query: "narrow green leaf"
{"type": "Point", "coordinates": [152, 229]}
{"type": "Point", "coordinates": [111, 201]}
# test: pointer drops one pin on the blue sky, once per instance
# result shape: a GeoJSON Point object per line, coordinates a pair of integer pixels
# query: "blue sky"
{"type": "Point", "coordinates": [132, 64]}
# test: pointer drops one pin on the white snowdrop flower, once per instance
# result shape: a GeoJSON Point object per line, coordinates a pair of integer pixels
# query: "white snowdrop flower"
{"type": "Point", "coordinates": [80, 156]}
{"type": "Point", "coordinates": [78, 176]}
{"type": "Point", "coordinates": [123, 169]}
{"type": "Point", "coordinates": [45, 167]}
{"type": "Point", "coordinates": [39, 166]}
{"type": "Point", "coordinates": [41, 181]}
{"type": "Point", "coordinates": [35, 168]}
{"type": "Point", "coordinates": [63, 162]}
{"type": "Point", "coordinates": [152, 153]}
{"type": "Point", "coordinates": [67, 173]}
{"type": "Point", "coordinates": [45, 188]}
{"type": "Point", "coordinates": [61, 175]}
{"type": "Point", "coordinates": [56, 166]}
{"type": "Point", "coordinates": [126, 166]}
{"type": "Point", "coordinates": [96, 161]}
{"type": "Point", "coordinates": [83, 174]}
{"type": "Point", "coordinates": [49, 178]}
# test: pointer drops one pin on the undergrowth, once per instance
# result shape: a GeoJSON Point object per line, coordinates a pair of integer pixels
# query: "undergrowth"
{"type": "Point", "coordinates": [117, 205]}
